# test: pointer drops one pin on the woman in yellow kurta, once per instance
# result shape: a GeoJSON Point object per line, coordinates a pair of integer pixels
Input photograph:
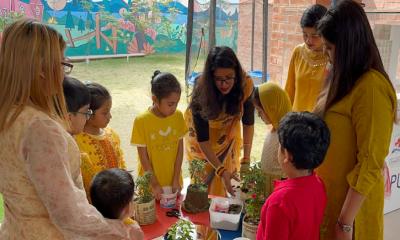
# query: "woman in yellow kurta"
{"type": "Point", "coordinates": [99, 144]}
{"type": "Point", "coordinates": [308, 63]}
{"type": "Point", "coordinates": [359, 107]}
{"type": "Point", "coordinates": [221, 100]}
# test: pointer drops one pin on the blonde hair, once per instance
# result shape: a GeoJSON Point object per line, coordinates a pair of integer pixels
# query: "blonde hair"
{"type": "Point", "coordinates": [274, 101]}
{"type": "Point", "coordinates": [31, 72]}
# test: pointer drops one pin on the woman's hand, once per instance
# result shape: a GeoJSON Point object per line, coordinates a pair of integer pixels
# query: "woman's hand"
{"type": "Point", "coordinates": [226, 179]}
{"type": "Point", "coordinates": [244, 169]}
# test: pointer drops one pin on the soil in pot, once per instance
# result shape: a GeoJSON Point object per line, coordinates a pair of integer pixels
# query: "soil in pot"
{"type": "Point", "coordinates": [196, 199]}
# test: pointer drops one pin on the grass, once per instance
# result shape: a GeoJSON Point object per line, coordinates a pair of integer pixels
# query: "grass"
{"type": "Point", "coordinates": [129, 84]}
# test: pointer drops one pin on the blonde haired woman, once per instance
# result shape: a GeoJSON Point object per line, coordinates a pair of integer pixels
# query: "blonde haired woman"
{"type": "Point", "coordinates": [39, 161]}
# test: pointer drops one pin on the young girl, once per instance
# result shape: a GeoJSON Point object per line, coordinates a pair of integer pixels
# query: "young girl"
{"type": "Point", "coordinates": [307, 67]}
{"type": "Point", "coordinates": [272, 103]}
{"type": "Point", "coordinates": [158, 134]}
{"type": "Point", "coordinates": [100, 143]}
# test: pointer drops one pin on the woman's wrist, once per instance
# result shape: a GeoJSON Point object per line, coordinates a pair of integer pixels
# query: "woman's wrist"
{"type": "Point", "coordinates": [245, 159]}
{"type": "Point", "coordinates": [220, 170]}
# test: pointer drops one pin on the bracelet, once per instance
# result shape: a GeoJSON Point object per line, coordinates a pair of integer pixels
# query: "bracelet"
{"type": "Point", "coordinates": [345, 227]}
{"type": "Point", "coordinates": [221, 169]}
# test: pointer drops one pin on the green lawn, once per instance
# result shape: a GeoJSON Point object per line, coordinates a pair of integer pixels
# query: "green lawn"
{"type": "Point", "coordinates": [129, 84]}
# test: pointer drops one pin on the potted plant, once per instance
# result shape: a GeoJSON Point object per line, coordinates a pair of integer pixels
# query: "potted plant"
{"type": "Point", "coordinates": [254, 182]}
{"type": "Point", "coordinates": [197, 196]}
{"type": "Point", "coordinates": [181, 230]}
{"type": "Point", "coordinates": [145, 208]}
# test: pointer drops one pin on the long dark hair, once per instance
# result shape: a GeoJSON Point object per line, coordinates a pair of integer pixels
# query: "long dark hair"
{"type": "Point", "coordinates": [207, 99]}
{"type": "Point", "coordinates": [347, 27]}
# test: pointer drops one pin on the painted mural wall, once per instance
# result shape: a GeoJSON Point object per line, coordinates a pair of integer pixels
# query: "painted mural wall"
{"type": "Point", "coordinates": [102, 27]}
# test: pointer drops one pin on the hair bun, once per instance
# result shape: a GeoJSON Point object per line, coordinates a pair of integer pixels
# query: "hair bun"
{"type": "Point", "coordinates": [155, 74]}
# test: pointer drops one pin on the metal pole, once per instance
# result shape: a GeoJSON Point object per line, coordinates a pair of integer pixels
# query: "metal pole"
{"type": "Point", "coordinates": [253, 19]}
{"type": "Point", "coordinates": [189, 34]}
{"type": "Point", "coordinates": [265, 40]}
{"type": "Point", "coordinates": [211, 32]}
{"type": "Point", "coordinates": [333, 3]}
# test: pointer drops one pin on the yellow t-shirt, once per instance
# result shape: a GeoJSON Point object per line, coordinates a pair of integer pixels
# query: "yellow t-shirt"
{"type": "Point", "coordinates": [161, 137]}
{"type": "Point", "coordinates": [99, 152]}
{"type": "Point", "coordinates": [305, 79]}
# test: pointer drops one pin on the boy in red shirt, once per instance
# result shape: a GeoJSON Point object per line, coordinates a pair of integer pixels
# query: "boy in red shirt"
{"type": "Point", "coordinates": [294, 211]}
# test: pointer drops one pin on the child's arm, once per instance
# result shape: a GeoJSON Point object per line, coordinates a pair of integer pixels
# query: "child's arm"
{"type": "Point", "coordinates": [176, 185]}
{"type": "Point", "coordinates": [147, 167]}
{"type": "Point", "coordinates": [277, 223]}
{"type": "Point", "coordinates": [136, 232]}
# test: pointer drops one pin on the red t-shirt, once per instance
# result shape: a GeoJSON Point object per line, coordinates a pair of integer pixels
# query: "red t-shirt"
{"type": "Point", "coordinates": [294, 210]}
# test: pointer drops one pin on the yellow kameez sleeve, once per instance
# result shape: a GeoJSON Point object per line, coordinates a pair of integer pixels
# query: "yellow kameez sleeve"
{"type": "Point", "coordinates": [120, 153]}
{"type": "Point", "coordinates": [290, 86]}
{"type": "Point", "coordinates": [374, 105]}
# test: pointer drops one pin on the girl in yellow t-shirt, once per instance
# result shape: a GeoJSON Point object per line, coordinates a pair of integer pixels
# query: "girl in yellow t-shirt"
{"type": "Point", "coordinates": [100, 144]}
{"type": "Point", "coordinates": [158, 134]}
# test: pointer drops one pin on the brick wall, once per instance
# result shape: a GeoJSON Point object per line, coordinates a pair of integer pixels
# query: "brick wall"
{"type": "Point", "coordinates": [284, 31]}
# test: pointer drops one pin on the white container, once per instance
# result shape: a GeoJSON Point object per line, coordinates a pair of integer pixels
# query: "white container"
{"type": "Point", "coordinates": [225, 221]}
{"type": "Point", "coordinates": [168, 198]}
{"type": "Point", "coordinates": [221, 205]}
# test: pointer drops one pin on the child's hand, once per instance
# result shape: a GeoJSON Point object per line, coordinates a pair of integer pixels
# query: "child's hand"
{"type": "Point", "coordinates": [135, 232]}
{"type": "Point", "coordinates": [176, 186]}
{"type": "Point", "coordinates": [157, 190]}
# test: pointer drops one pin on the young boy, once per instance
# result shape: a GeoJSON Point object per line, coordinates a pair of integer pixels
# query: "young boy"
{"type": "Point", "coordinates": [295, 208]}
{"type": "Point", "coordinates": [77, 97]}
{"type": "Point", "coordinates": [111, 193]}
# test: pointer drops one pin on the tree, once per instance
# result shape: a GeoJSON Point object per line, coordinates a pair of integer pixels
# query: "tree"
{"type": "Point", "coordinates": [81, 24]}
{"type": "Point", "coordinates": [69, 23]}
{"type": "Point", "coordinates": [90, 24]}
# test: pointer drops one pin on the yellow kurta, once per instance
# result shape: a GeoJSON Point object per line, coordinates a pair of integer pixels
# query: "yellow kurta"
{"type": "Point", "coordinates": [224, 137]}
{"type": "Point", "coordinates": [306, 75]}
{"type": "Point", "coordinates": [161, 138]}
{"type": "Point", "coordinates": [99, 153]}
{"type": "Point", "coordinates": [361, 126]}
